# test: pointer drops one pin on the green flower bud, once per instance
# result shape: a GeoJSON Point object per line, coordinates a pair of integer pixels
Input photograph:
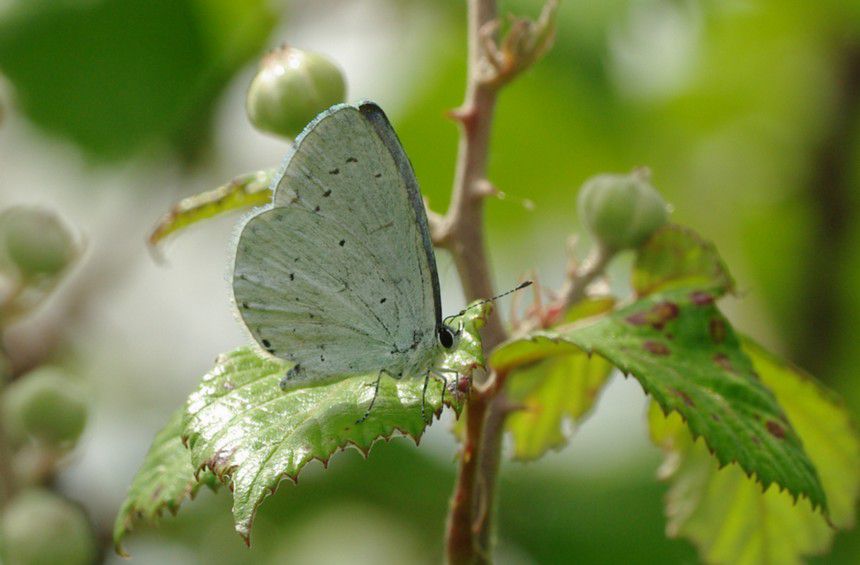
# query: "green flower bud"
{"type": "Point", "coordinates": [291, 87]}
{"type": "Point", "coordinates": [621, 211]}
{"type": "Point", "coordinates": [35, 241]}
{"type": "Point", "coordinates": [46, 405]}
{"type": "Point", "coordinates": [40, 528]}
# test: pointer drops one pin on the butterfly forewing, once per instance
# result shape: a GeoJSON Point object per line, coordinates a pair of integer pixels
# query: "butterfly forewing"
{"type": "Point", "coordinates": [337, 275]}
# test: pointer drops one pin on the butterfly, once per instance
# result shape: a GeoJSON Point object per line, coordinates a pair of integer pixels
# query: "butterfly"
{"type": "Point", "coordinates": [338, 275]}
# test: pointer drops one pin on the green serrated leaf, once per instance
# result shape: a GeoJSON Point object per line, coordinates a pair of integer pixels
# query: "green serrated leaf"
{"type": "Point", "coordinates": [164, 481]}
{"type": "Point", "coordinates": [677, 257]}
{"type": "Point", "coordinates": [251, 434]}
{"type": "Point", "coordinates": [554, 384]}
{"type": "Point", "coordinates": [554, 394]}
{"type": "Point", "coordinates": [588, 307]}
{"type": "Point", "coordinates": [518, 352]}
{"type": "Point", "coordinates": [729, 517]}
{"type": "Point", "coordinates": [244, 191]}
{"type": "Point", "coordinates": [828, 431]}
{"type": "Point", "coordinates": [686, 356]}
{"type": "Point", "coordinates": [724, 513]}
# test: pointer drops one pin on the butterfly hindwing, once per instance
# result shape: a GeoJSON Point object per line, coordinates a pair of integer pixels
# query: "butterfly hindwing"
{"type": "Point", "coordinates": [337, 274]}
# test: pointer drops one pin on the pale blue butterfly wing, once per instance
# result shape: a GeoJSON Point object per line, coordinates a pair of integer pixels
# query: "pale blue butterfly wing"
{"type": "Point", "coordinates": [338, 275]}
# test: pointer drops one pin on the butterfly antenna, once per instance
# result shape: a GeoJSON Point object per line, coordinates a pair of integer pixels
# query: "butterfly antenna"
{"type": "Point", "coordinates": [521, 286]}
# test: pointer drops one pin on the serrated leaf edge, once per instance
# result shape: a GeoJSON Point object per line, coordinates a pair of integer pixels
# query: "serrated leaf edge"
{"type": "Point", "coordinates": [133, 516]}
{"type": "Point", "coordinates": [224, 476]}
{"type": "Point", "coordinates": [626, 372]}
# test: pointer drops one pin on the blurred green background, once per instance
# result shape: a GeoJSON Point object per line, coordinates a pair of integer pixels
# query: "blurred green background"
{"type": "Point", "coordinates": [747, 112]}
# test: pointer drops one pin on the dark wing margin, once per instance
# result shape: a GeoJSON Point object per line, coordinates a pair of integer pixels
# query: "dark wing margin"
{"type": "Point", "coordinates": [377, 118]}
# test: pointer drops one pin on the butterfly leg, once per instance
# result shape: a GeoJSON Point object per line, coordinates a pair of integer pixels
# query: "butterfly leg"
{"type": "Point", "coordinates": [441, 378]}
{"type": "Point", "coordinates": [372, 400]}
{"type": "Point", "coordinates": [440, 372]}
{"type": "Point", "coordinates": [424, 396]}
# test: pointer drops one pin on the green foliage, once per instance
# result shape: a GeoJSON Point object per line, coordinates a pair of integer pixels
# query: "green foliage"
{"type": "Point", "coordinates": [677, 257]}
{"type": "Point", "coordinates": [119, 76]}
{"type": "Point", "coordinates": [555, 392]}
{"type": "Point", "coordinates": [827, 429]}
{"type": "Point", "coordinates": [687, 357]}
{"type": "Point", "coordinates": [560, 389]}
{"type": "Point", "coordinates": [727, 515]}
{"type": "Point", "coordinates": [685, 354]}
{"type": "Point", "coordinates": [166, 478]}
{"type": "Point", "coordinates": [251, 434]}
{"type": "Point", "coordinates": [244, 191]}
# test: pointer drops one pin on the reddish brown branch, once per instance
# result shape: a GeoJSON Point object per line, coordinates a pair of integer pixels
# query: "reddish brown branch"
{"type": "Point", "coordinates": [461, 536]}
{"type": "Point", "coordinates": [461, 232]}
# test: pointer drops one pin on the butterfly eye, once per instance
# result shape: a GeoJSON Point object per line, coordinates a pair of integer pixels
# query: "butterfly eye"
{"type": "Point", "coordinates": [446, 337]}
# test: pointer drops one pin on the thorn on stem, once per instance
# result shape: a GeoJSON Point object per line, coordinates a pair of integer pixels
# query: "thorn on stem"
{"type": "Point", "coordinates": [483, 188]}
{"type": "Point", "coordinates": [467, 116]}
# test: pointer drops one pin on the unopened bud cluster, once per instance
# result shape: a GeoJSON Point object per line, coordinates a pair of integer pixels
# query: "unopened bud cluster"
{"type": "Point", "coordinates": [35, 242]}
{"type": "Point", "coordinates": [621, 211]}
{"type": "Point", "coordinates": [291, 87]}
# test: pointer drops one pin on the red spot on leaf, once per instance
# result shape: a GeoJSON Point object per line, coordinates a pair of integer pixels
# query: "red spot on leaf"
{"type": "Point", "coordinates": [723, 361]}
{"type": "Point", "coordinates": [717, 329]}
{"type": "Point", "coordinates": [657, 317]}
{"type": "Point", "coordinates": [656, 347]}
{"type": "Point", "coordinates": [775, 429]}
{"type": "Point", "coordinates": [220, 461]}
{"type": "Point", "coordinates": [683, 396]}
{"type": "Point", "coordinates": [701, 298]}
{"type": "Point", "coordinates": [464, 385]}
{"type": "Point", "coordinates": [157, 492]}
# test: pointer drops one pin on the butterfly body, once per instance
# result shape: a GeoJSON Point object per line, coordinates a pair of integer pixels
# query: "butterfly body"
{"type": "Point", "coordinates": [338, 274]}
